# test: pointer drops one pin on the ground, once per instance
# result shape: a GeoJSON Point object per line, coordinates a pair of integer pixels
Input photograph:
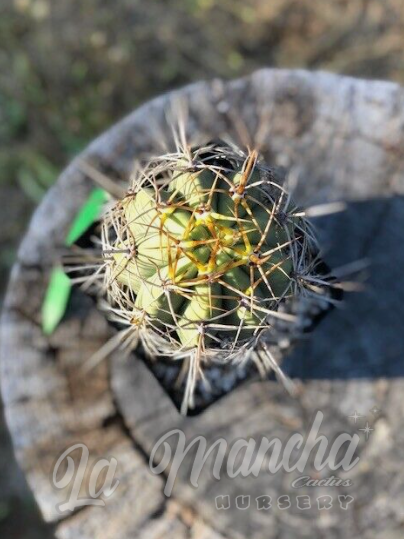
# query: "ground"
{"type": "Point", "coordinates": [69, 69]}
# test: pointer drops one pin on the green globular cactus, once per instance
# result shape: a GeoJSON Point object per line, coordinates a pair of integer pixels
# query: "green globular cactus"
{"type": "Point", "coordinates": [202, 250]}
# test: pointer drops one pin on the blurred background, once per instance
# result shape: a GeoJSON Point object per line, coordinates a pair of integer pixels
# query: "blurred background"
{"type": "Point", "coordinates": [69, 69]}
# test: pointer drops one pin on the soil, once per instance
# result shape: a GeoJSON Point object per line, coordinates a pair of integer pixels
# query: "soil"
{"type": "Point", "coordinates": [70, 69]}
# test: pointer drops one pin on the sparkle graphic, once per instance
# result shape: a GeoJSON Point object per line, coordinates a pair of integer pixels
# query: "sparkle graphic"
{"type": "Point", "coordinates": [355, 416]}
{"type": "Point", "coordinates": [375, 410]}
{"type": "Point", "coordinates": [367, 430]}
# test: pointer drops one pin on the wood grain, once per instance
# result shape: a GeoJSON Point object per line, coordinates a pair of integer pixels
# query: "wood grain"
{"type": "Point", "coordinates": [343, 139]}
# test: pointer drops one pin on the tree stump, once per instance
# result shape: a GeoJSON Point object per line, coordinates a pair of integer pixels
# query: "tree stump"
{"type": "Point", "coordinates": [344, 140]}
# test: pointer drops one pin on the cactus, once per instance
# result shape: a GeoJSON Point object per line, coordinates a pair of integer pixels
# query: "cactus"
{"type": "Point", "coordinates": [202, 251]}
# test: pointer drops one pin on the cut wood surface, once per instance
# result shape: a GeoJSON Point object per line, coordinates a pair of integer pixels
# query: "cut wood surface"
{"type": "Point", "coordinates": [343, 140]}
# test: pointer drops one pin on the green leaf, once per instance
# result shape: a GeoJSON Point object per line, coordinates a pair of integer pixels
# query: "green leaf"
{"type": "Point", "coordinates": [87, 215]}
{"type": "Point", "coordinates": [56, 300]}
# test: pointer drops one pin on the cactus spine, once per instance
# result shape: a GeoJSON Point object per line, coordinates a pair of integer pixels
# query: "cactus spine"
{"type": "Point", "coordinates": [201, 252]}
